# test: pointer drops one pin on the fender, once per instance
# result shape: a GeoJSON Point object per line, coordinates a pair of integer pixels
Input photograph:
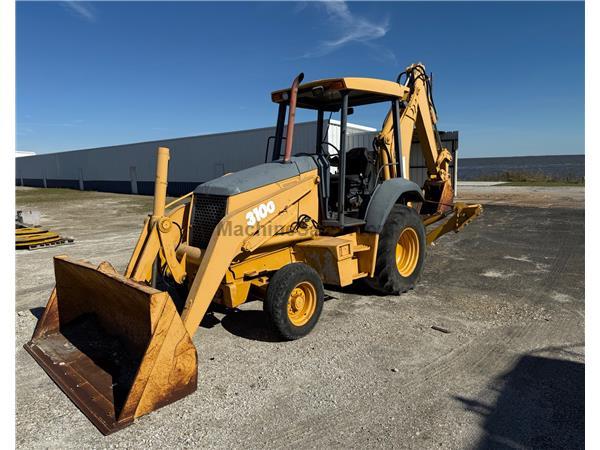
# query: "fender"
{"type": "Point", "coordinates": [384, 198]}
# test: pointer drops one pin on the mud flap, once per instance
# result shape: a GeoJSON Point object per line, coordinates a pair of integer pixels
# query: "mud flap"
{"type": "Point", "coordinates": [116, 347]}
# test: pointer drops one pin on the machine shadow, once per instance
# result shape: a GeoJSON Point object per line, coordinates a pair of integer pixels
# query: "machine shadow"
{"type": "Point", "coordinates": [252, 325]}
{"type": "Point", "coordinates": [540, 404]}
{"type": "Point", "coordinates": [359, 287]}
{"type": "Point", "coordinates": [248, 324]}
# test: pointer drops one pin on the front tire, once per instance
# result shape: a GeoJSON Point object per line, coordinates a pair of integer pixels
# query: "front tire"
{"type": "Point", "coordinates": [294, 300]}
{"type": "Point", "coordinates": [401, 252]}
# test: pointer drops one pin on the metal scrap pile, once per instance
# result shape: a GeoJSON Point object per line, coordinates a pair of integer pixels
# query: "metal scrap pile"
{"type": "Point", "coordinates": [29, 237]}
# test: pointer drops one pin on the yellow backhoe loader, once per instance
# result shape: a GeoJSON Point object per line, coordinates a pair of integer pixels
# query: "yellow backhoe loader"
{"type": "Point", "coordinates": [120, 346]}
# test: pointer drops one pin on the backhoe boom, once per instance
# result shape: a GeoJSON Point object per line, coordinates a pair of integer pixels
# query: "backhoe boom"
{"type": "Point", "coordinates": [418, 113]}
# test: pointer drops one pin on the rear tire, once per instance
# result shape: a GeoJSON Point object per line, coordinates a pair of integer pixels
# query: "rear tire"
{"type": "Point", "coordinates": [294, 300]}
{"type": "Point", "coordinates": [400, 253]}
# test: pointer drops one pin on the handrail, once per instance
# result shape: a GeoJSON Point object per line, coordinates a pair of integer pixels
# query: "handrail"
{"type": "Point", "coordinates": [385, 165]}
{"type": "Point", "coordinates": [267, 149]}
{"type": "Point", "coordinates": [177, 200]}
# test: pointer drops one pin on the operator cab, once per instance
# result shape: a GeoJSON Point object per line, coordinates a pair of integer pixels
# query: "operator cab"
{"type": "Point", "coordinates": [348, 176]}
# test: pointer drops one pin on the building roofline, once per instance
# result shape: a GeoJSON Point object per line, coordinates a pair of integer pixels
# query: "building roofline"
{"type": "Point", "coordinates": [224, 133]}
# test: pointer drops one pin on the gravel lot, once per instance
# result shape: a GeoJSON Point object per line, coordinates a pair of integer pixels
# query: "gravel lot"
{"type": "Point", "coordinates": [509, 288]}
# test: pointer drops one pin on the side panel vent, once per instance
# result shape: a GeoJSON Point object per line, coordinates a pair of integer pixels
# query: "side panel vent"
{"type": "Point", "coordinates": [208, 212]}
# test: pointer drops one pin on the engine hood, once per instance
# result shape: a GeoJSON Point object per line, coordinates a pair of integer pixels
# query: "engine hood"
{"type": "Point", "coordinates": [257, 176]}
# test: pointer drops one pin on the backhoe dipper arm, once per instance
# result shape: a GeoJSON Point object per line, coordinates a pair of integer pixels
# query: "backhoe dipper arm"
{"type": "Point", "coordinates": [418, 113]}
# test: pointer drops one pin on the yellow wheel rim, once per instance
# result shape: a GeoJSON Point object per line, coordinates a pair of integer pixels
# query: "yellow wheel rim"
{"type": "Point", "coordinates": [407, 252]}
{"type": "Point", "coordinates": [302, 303]}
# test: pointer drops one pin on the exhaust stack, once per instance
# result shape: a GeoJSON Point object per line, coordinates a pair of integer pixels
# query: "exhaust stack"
{"type": "Point", "coordinates": [292, 117]}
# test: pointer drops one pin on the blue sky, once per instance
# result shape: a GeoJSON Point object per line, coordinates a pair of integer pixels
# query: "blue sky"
{"type": "Point", "coordinates": [509, 76]}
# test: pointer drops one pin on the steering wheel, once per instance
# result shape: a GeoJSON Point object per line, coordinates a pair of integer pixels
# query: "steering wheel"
{"type": "Point", "coordinates": [337, 150]}
{"type": "Point", "coordinates": [330, 156]}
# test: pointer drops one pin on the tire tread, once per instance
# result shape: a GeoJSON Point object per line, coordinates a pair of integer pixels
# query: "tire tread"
{"type": "Point", "coordinates": [278, 292]}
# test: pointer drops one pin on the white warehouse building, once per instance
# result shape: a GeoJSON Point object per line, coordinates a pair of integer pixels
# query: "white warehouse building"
{"type": "Point", "coordinates": [129, 168]}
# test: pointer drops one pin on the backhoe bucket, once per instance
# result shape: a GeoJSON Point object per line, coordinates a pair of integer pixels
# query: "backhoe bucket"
{"type": "Point", "coordinates": [116, 347]}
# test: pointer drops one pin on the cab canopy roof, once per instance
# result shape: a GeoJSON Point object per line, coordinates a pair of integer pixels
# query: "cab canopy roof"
{"type": "Point", "coordinates": [327, 94]}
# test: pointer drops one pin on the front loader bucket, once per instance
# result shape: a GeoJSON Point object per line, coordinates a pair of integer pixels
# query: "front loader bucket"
{"type": "Point", "coordinates": [116, 347]}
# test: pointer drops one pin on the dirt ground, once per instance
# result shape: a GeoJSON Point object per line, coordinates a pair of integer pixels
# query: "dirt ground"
{"type": "Point", "coordinates": [509, 374]}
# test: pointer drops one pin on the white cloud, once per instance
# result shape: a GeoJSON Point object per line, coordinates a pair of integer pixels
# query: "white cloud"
{"type": "Point", "coordinates": [351, 28]}
{"type": "Point", "coordinates": [82, 9]}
